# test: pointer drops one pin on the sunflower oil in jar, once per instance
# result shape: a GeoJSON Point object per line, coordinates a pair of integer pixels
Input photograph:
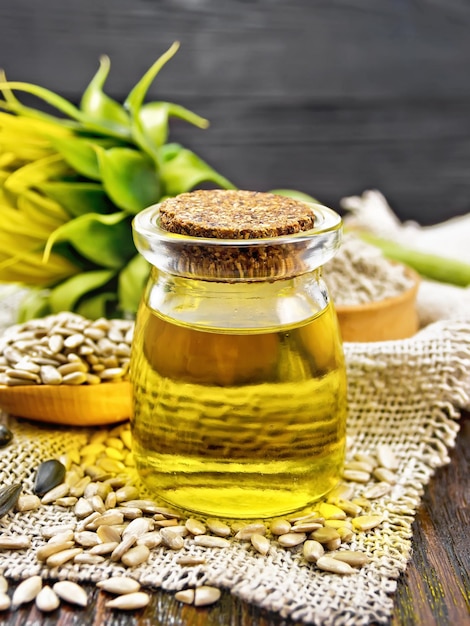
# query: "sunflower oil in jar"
{"type": "Point", "coordinates": [237, 366]}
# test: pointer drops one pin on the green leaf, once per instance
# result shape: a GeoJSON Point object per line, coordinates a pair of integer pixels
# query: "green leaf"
{"type": "Point", "coordinates": [79, 198]}
{"type": "Point", "coordinates": [136, 97]}
{"type": "Point", "coordinates": [170, 151]}
{"type": "Point", "coordinates": [95, 306]}
{"type": "Point", "coordinates": [79, 154]}
{"type": "Point", "coordinates": [100, 107]}
{"type": "Point", "coordinates": [129, 178]}
{"type": "Point", "coordinates": [154, 119]}
{"type": "Point", "coordinates": [104, 239]}
{"type": "Point", "coordinates": [51, 98]}
{"type": "Point", "coordinates": [65, 296]}
{"type": "Point", "coordinates": [186, 170]}
{"type": "Point", "coordinates": [131, 284]}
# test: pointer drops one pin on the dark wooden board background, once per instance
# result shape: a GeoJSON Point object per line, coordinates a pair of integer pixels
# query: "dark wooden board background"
{"type": "Point", "coordinates": [327, 96]}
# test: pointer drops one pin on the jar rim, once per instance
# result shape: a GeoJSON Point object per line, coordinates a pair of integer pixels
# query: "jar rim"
{"type": "Point", "coordinates": [146, 223]}
{"type": "Point", "coordinates": [233, 260]}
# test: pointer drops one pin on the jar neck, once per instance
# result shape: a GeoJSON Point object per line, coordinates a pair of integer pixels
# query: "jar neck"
{"type": "Point", "coordinates": [241, 306]}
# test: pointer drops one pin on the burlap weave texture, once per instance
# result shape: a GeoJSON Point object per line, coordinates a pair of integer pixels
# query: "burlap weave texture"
{"type": "Point", "coordinates": [403, 393]}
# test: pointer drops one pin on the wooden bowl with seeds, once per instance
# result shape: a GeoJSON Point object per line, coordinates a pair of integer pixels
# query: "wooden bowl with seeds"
{"type": "Point", "coordinates": [392, 318]}
{"type": "Point", "coordinates": [73, 405]}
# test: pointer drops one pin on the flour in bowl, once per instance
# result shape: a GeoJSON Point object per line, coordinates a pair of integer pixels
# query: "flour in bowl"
{"type": "Point", "coordinates": [359, 273]}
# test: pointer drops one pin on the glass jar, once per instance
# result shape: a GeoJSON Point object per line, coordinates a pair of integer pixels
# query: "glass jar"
{"type": "Point", "coordinates": [237, 369]}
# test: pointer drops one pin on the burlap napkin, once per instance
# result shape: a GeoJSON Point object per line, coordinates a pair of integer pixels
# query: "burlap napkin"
{"type": "Point", "coordinates": [403, 393]}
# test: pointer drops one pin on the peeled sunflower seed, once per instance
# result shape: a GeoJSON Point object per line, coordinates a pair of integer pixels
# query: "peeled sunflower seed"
{"type": "Point", "coordinates": [386, 457]}
{"type": "Point", "coordinates": [15, 542]}
{"type": "Point", "coordinates": [53, 547]}
{"type": "Point", "coordinates": [245, 533]}
{"type": "Point", "coordinates": [50, 474]}
{"type": "Point", "coordinates": [119, 585]}
{"type": "Point", "coordinates": [71, 592]}
{"type": "Point", "coordinates": [5, 601]}
{"type": "Point", "coordinates": [185, 595]}
{"type": "Point", "coordinates": [9, 497]}
{"type": "Point", "coordinates": [377, 491]}
{"type": "Point", "coordinates": [208, 541]}
{"type": "Point", "coordinates": [313, 550]}
{"type": "Point", "coordinates": [280, 526]}
{"type": "Point", "coordinates": [260, 543]}
{"type": "Point", "coordinates": [135, 556]}
{"type": "Point", "coordinates": [219, 528]}
{"type": "Point", "coordinates": [200, 596]}
{"type": "Point", "coordinates": [129, 601]}
{"type": "Point", "coordinates": [352, 557]}
{"type": "Point", "coordinates": [191, 560]}
{"type": "Point", "coordinates": [205, 595]}
{"type": "Point", "coordinates": [329, 564]}
{"type": "Point", "coordinates": [367, 522]}
{"type": "Point", "coordinates": [290, 540]}
{"type": "Point", "coordinates": [47, 600]}
{"type": "Point", "coordinates": [26, 591]}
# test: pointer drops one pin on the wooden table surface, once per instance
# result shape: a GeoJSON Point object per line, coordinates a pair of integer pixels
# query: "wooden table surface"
{"type": "Point", "coordinates": [433, 591]}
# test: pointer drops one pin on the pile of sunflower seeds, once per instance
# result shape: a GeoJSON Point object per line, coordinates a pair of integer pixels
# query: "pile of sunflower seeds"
{"type": "Point", "coordinates": [65, 349]}
{"type": "Point", "coordinates": [113, 523]}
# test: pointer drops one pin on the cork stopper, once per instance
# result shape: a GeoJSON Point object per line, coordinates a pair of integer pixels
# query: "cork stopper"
{"type": "Point", "coordinates": [227, 214]}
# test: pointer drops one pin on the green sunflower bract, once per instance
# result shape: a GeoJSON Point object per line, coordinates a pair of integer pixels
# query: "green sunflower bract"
{"type": "Point", "coordinates": [70, 186]}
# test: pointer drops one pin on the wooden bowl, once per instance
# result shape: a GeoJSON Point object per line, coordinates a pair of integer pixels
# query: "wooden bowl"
{"type": "Point", "coordinates": [383, 320]}
{"type": "Point", "coordinates": [74, 405]}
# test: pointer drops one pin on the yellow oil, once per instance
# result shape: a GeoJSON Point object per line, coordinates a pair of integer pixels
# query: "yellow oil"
{"type": "Point", "coordinates": [241, 425]}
